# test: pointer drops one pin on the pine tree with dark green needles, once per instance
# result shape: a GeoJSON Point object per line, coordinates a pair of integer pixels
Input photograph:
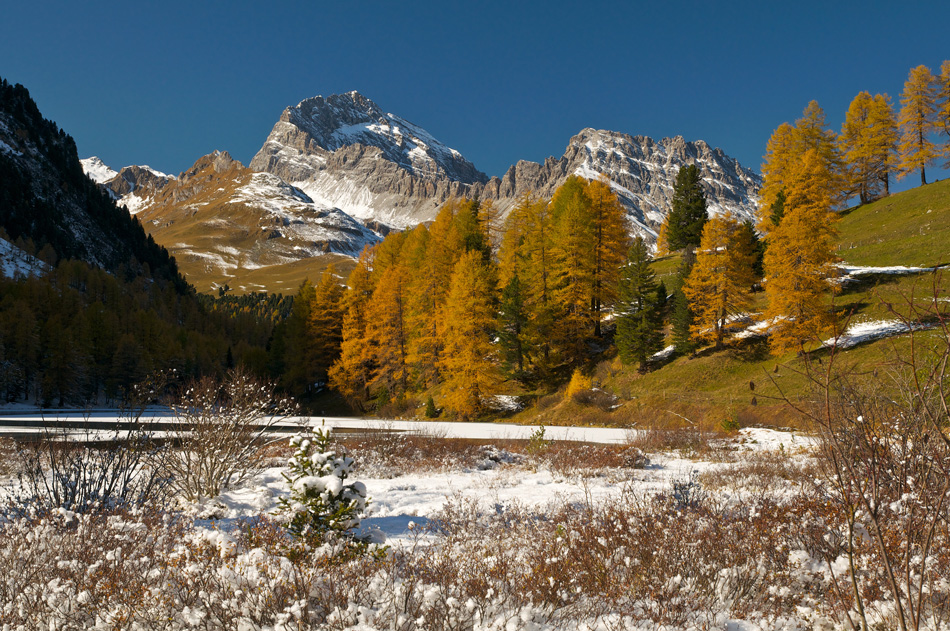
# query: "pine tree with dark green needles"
{"type": "Point", "coordinates": [688, 212]}
{"type": "Point", "coordinates": [639, 322]}
{"type": "Point", "coordinates": [777, 209]}
{"type": "Point", "coordinates": [513, 317]}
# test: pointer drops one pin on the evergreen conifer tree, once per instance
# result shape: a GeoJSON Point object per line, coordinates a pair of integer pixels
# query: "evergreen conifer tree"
{"type": "Point", "coordinates": [681, 321]}
{"type": "Point", "coordinates": [687, 215]}
{"type": "Point", "coordinates": [513, 320]}
{"type": "Point", "coordinates": [639, 312]}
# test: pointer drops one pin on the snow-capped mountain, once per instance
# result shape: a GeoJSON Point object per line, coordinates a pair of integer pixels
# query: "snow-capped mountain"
{"type": "Point", "coordinates": [135, 187]}
{"type": "Point", "coordinates": [330, 161]}
{"type": "Point", "coordinates": [641, 172]}
{"type": "Point", "coordinates": [345, 151]}
{"type": "Point", "coordinates": [225, 223]}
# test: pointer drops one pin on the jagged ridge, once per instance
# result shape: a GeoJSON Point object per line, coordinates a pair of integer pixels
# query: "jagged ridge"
{"type": "Point", "coordinates": [344, 151]}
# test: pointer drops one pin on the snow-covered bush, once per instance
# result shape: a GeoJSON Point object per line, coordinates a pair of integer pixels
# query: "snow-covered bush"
{"type": "Point", "coordinates": [322, 500]}
{"type": "Point", "coordinates": [95, 472]}
{"type": "Point", "coordinates": [222, 427]}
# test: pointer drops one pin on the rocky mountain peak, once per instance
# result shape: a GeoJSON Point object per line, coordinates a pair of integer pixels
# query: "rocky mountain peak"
{"type": "Point", "coordinates": [345, 151]}
{"type": "Point", "coordinates": [137, 179]}
{"type": "Point", "coordinates": [330, 120]}
{"type": "Point", "coordinates": [217, 161]}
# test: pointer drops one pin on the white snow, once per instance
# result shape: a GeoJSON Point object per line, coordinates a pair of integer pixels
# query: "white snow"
{"type": "Point", "coordinates": [97, 170]}
{"type": "Point", "coordinates": [15, 263]}
{"type": "Point", "coordinates": [5, 148]}
{"type": "Point", "coordinates": [848, 270]}
{"type": "Point", "coordinates": [398, 502]}
{"type": "Point", "coordinates": [860, 332]}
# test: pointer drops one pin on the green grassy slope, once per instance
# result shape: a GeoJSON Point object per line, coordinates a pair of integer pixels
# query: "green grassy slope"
{"type": "Point", "coordinates": [910, 228]}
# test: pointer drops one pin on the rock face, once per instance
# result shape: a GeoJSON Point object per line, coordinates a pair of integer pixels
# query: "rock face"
{"type": "Point", "coordinates": [344, 151]}
{"type": "Point", "coordinates": [641, 172]}
{"type": "Point", "coordinates": [136, 186]}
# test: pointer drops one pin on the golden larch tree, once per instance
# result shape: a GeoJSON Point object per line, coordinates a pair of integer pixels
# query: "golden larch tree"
{"type": "Point", "coordinates": [799, 260]}
{"type": "Point", "coordinates": [883, 139]}
{"type": "Point", "coordinates": [720, 283]}
{"type": "Point", "coordinates": [351, 373]}
{"type": "Point", "coordinates": [943, 111]}
{"type": "Point", "coordinates": [812, 134]}
{"type": "Point", "coordinates": [573, 242]}
{"type": "Point", "coordinates": [662, 238]}
{"type": "Point", "coordinates": [526, 253]}
{"type": "Point", "coordinates": [386, 334]}
{"type": "Point", "coordinates": [469, 364]}
{"type": "Point", "coordinates": [779, 156]}
{"type": "Point", "coordinates": [325, 323]}
{"type": "Point", "coordinates": [611, 242]}
{"type": "Point", "coordinates": [917, 150]}
{"type": "Point", "coordinates": [424, 295]}
{"type": "Point", "coordinates": [867, 140]}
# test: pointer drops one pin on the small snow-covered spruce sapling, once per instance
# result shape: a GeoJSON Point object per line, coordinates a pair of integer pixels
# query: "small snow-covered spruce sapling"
{"type": "Point", "coordinates": [322, 502]}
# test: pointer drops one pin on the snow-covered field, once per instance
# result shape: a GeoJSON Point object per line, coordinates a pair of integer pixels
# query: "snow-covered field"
{"type": "Point", "coordinates": [488, 527]}
{"type": "Point", "coordinates": [397, 502]}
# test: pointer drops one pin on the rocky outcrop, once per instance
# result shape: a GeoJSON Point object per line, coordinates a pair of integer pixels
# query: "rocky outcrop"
{"type": "Point", "coordinates": [140, 180]}
{"type": "Point", "coordinates": [641, 172]}
{"type": "Point", "coordinates": [345, 151]}
{"type": "Point", "coordinates": [220, 215]}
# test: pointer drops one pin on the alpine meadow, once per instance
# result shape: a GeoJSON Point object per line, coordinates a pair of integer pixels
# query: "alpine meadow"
{"type": "Point", "coordinates": [336, 377]}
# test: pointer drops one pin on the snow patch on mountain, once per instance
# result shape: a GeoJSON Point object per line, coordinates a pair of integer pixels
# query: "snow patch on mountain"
{"type": "Point", "coordinates": [97, 170]}
{"type": "Point", "coordinates": [300, 218]}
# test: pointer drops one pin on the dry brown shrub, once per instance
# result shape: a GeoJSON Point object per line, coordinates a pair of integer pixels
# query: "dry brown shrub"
{"type": "Point", "coordinates": [597, 398]}
{"type": "Point", "coordinates": [692, 440]}
{"type": "Point", "coordinates": [762, 474]}
{"type": "Point", "coordinates": [8, 459]}
{"type": "Point", "coordinates": [589, 460]}
{"type": "Point", "coordinates": [386, 453]}
{"type": "Point", "coordinates": [585, 562]}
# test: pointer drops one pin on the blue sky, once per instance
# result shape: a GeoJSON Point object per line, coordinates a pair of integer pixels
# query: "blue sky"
{"type": "Point", "coordinates": [164, 83]}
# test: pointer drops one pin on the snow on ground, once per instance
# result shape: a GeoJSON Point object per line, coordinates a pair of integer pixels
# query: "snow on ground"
{"type": "Point", "coordinates": [399, 504]}
{"type": "Point", "coordinates": [872, 330]}
{"type": "Point", "coordinates": [15, 263]}
{"type": "Point", "coordinates": [483, 431]}
{"type": "Point", "coordinates": [859, 270]}
{"type": "Point", "coordinates": [850, 273]}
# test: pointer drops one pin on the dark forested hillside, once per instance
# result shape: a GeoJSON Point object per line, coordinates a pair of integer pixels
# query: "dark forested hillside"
{"type": "Point", "coordinates": [110, 305]}
{"type": "Point", "coordinates": [46, 198]}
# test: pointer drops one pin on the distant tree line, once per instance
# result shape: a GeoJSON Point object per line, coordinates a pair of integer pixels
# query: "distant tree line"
{"type": "Point", "coordinates": [78, 335]}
